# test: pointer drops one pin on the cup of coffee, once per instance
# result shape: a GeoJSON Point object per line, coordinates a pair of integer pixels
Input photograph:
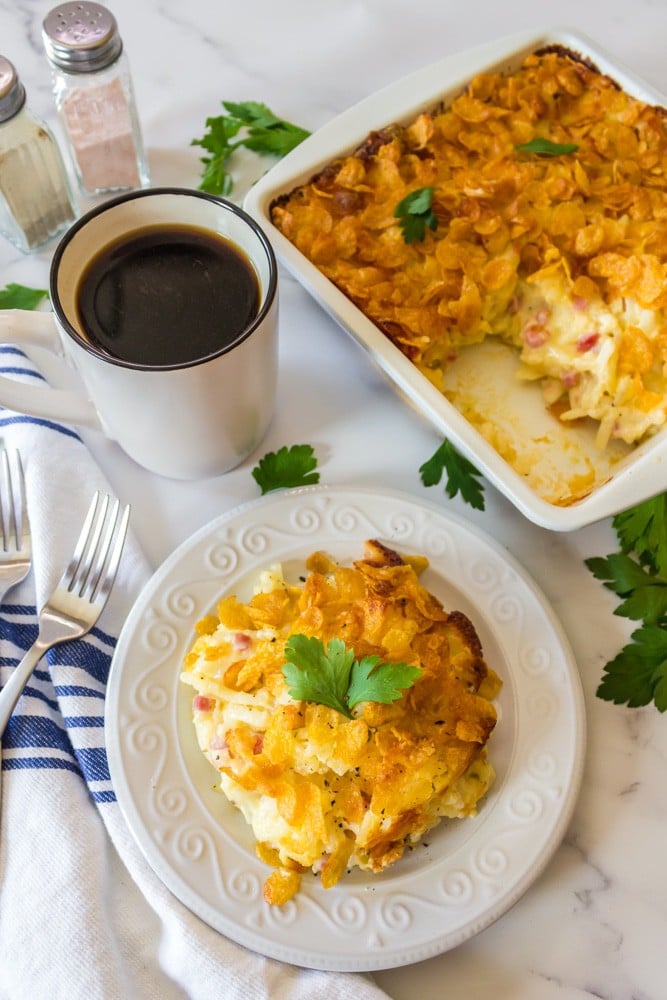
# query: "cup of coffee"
{"type": "Point", "coordinates": [165, 301]}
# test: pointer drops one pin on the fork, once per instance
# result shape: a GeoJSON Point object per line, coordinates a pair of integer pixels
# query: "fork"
{"type": "Point", "coordinates": [16, 552]}
{"type": "Point", "coordinates": [80, 596]}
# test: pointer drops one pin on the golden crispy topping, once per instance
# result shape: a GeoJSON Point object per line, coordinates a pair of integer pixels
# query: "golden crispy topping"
{"type": "Point", "coordinates": [518, 234]}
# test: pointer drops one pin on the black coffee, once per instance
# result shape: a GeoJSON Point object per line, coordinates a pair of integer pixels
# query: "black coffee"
{"type": "Point", "coordinates": [166, 295]}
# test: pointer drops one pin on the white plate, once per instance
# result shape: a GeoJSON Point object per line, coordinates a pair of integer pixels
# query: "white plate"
{"type": "Point", "coordinates": [620, 481]}
{"type": "Point", "coordinates": [469, 872]}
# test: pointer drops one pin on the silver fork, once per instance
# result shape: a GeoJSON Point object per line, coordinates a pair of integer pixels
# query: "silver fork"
{"type": "Point", "coordinates": [16, 552]}
{"type": "Point", "coordinates": [78, 600]}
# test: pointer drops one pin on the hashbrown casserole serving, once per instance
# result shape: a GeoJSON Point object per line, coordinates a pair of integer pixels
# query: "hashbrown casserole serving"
{"type": "Point", "coordinates": [322, 791]}
{"type": "Point", "coordinates": [562, 256]}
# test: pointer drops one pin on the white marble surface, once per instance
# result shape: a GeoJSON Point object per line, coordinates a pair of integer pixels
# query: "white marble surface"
{"type": "Point", "coordinates": [595, 922]}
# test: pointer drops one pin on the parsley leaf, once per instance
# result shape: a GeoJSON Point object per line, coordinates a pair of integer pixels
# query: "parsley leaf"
{"type": "Point", "coordinates": [415, 213]}
{"type": "Point", "coordinates": [545, 147]}
{"type": "Point", "coordinates": [644, 593]}
{"type": "Point", "coordinates": [315, 675]}
{"type": "Point", "coordinates": [286, 468]}
{"type": "Point", "coordinates": [375, 681]}
{"type": "Point", "coordinates": [637, 574]}
{"type": "Point", "coordinates": [15, 296]}
{"type": "Point", "coordinates": [462, 476]}
{"type": "Point", "coordinates": [643, 529]}
{"type": "Point", "coordinates": [638, 674]}
{"type": "Point", "coordinates": [263, 133]}
{"type": "Point", "coordinates": [336, 679]}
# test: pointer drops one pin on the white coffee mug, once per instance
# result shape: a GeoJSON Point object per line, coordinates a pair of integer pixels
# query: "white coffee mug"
{"type": "Point", "coordinates": [190, 420]}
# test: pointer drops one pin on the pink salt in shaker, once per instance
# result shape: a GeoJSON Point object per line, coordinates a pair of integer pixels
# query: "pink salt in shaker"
{"type": "Point", "coordinates": [95, 97]}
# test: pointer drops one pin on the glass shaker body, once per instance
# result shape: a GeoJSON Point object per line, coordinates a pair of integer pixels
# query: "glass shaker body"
{"type": "Point", "coordinates": [36, 201]}
{"type": "Point", "coordinates": [95, 99]}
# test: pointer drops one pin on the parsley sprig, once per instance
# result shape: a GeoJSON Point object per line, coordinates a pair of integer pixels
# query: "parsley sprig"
{"type": "Point", "coordinates": [334, 677]}
{"type": "Point", "coordinates": [287, 467]}
{"type": "Point", "coordinates": [415, 213]}
{"type": "Point", "coordinates": [462, 476]}
{"type": "Point", "coordinates": [637, 574]}
{"type": "Point", "coordinates": [14, 296]}
{"type": "Point", "coordinates": [545, 147]}
{"type": "Point", "coordinates": [247, 123]}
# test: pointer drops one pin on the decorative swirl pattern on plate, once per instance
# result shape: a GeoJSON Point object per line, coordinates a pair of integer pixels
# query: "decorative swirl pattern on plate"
{"type": "Point", "coordinates": [505, 609]}
{"type": "Point", "coordinates": [348, 520]}
{"type": "Point", "coordinates": [491, 861]}
{"type": "Point", "coordinates": [282, 916]}
{"type": "Point", "coordinates": [484, 574]}
{"type": "Point", "coordinates": [254, 540]}
{"type": "Point", "coordinates": [526, 806]}
{"type": "Point", "coordinates": [305, 519]}
{"type": "Point", "coordinates": [345, 913]}
{"type": "Point", "coordinates": [440, 544]}
{"type": "Point", "coordinates": [535, 660]}
{"type": "Point", "coordinates": [149, 741]}
{"type": "Point", "coordinates": [456, 888]}
{"type": "Point", "coordinates": [395, 914]}
{"type": "Point", "coordinates": [543, 766]}
{"type": "Point", "coordinates": [170, 802]}
{"type": "Point", "coordinates": [348, 913]}
{"type": "Point", "coordinates": [191, 844]}
{"type": "Point", "coordinates": [222, 558]}
{"type": "Point", "coordinates": [158, 643]}
{"type": "Point", "coordinates": [244, 886]}
{"type": "Point", "coordinates": [180, 603]}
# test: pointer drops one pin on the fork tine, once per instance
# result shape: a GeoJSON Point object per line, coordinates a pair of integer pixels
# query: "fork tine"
{"type": "Point", "coordinates": [110, 565]}
{"type": "Point", "coordinates": [92, 568]}
{"type": "Point", "coordinates": [8, 493]}
{"type": "Point", "coordinates": [69, 576]}
{"type": "Point", "coordinates": [25, 523]}
{"type": "Point", "coordinates": [82, 575]}
{"type": "Point", "coordinates": [103, 547]}
{"type": "Point", "coordinates": [14, 516]}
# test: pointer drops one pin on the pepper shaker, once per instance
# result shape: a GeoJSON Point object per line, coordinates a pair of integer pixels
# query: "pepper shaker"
{"type": "Point", "coordinates": [35, 196]}
{"type": "Point", "coordinates": [95, 97]}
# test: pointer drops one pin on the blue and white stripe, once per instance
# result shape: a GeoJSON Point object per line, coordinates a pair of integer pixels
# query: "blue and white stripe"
{"type": "Point", "coordinates": [15, 363]}
{"type": "Point", "coordinates": [58, 722]}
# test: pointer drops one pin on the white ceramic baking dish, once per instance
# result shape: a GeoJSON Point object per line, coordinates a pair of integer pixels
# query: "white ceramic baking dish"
{"type": "Point", "coordinates": [623, 477]}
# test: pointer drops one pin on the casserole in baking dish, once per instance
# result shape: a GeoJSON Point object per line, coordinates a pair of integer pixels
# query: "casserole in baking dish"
{"type": "Point", "coordinates": [532, 299]}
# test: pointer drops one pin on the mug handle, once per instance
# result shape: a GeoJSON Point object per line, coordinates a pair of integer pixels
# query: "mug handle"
{"type": "Point", "coordinates": [38, 329]}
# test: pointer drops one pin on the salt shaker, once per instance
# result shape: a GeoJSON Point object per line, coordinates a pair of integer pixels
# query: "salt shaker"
{"type": "Point", "coordinates": [95, 97]}
{"type": "Point", "coordinates": [35, 196]}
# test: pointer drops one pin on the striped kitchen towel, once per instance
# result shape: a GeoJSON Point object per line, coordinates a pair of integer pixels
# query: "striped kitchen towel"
{"type": "Point", "coordinates": [82, 915]}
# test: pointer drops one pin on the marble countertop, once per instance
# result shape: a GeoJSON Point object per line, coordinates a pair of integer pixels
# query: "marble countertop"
{"type": "Point", "coordinates": [594, 922]}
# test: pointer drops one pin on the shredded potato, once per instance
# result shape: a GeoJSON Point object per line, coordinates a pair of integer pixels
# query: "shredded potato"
{"type": "Point", "coordinates": [322, 791]}
{"type": "Point", "coordinates": [564, 257]}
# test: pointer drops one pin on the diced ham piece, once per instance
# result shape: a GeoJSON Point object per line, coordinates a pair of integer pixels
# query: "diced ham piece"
{"type": "Point", "coordinates": [588, 341]}
{"type": "Point", "coordinates": [258, 745]}
{"type": "Point", "coordinates": [580, 303]}
{"type": "Point", "coordinates": [241, 641]}
{"type": "Point", "coordinates": [534, 335]}
{"type": "Point", "coordinates": [570, 379]}
{"type": "Point", "coordinates": [201, 703]}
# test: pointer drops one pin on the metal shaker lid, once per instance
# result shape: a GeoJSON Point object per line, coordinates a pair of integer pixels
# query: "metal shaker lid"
{"type": "Point", "coordinates": [81, 37]}
{"type": "Point", "coordinates": [12, 93]}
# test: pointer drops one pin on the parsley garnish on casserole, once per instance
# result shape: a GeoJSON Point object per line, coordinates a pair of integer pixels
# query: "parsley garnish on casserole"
{"type": "Point", "coordinates": [562, 256]}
